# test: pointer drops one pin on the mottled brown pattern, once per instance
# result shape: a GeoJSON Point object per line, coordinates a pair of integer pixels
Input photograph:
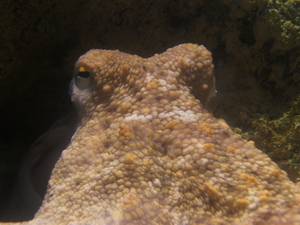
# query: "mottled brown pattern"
{"type": "Point", "coordinates": [148, 152]}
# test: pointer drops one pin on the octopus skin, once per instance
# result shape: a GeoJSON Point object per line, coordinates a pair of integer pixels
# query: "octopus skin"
{"type": "Point", "coordinates": [148, 152]}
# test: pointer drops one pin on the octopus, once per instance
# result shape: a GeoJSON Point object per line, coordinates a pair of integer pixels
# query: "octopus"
{"type": "Point", "coordinates": [147, 151]}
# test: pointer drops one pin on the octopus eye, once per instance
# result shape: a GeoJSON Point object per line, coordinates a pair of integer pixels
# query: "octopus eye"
{"type": "Point", "coordinates": [82, 78]}
{"type": "Point", "coordinates": [84, 74]}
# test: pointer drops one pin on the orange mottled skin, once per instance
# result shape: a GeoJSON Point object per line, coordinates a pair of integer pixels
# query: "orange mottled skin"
{"type": "Point", "coordinates": [148, 152]}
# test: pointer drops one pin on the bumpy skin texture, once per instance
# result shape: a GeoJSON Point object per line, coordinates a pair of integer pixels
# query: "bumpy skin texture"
{"type": "Point", "coordinates": [148, 152]}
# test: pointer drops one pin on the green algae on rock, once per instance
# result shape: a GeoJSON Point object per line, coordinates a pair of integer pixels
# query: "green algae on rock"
{"type": "Point", "coordinates": [280, 138]}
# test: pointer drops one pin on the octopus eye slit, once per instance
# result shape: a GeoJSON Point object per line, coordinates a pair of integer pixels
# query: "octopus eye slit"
{"type": "Point", "coordinates": [82, 78]}
{"type": "Point", "coordinates": [84, 74]}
